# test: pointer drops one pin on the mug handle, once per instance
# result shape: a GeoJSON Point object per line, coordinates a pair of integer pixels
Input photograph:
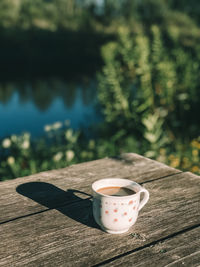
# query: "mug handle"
{"type": "Point", "coordinates": [145, 199]}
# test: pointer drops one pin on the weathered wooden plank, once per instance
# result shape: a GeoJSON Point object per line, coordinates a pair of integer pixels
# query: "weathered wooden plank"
{"type": "Point", "coordinates": [68, 236]}
{"type": "Point", "coordinates": [180, 250]}
{"type": "Point", "coordinates": [78, 177]}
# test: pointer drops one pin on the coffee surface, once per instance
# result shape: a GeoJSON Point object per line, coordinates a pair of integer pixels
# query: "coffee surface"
{"type": "Point", "coordinates": [116, 191]}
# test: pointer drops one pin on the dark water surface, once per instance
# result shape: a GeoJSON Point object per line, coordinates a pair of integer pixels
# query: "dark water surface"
{"type": "Point", "coordinates": [30, 105]}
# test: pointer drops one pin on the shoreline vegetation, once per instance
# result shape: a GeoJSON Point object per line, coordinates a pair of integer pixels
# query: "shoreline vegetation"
{"type": "Point", "coordinates": [146, 58]}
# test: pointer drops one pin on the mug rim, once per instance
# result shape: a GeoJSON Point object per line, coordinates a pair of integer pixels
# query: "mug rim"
{"type": "Point", "coordinates": [118, 179]}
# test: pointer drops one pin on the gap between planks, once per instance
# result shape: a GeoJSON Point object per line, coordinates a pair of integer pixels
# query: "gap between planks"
{"type": "Point", "coordinates": [67, 204]}
{"type": "Point", "coordinates": [42, 211]}
{"type": "Point", "coordinates": [171, 236]}
{"type": "Point", "coordinates": [162, 177]}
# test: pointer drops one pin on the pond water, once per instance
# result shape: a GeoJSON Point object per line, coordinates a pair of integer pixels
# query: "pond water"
{"type": "Point", "coordinates": [30, 105]}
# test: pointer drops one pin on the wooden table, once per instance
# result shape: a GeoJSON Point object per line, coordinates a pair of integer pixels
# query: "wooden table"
{"type": "Point", "coordinates": [46, 219]}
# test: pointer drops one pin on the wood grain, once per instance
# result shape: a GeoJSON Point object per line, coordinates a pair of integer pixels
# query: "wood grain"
{"type": "Point", "coordinates": [68, 236]}
{"type": "Point", "coordinates": [180, 250]}
{"type": "Point", "coordinates": [57, 188]}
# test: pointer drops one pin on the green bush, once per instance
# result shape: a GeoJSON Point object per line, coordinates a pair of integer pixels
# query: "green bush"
{"type": "Point", "coordinates": [149, 85]}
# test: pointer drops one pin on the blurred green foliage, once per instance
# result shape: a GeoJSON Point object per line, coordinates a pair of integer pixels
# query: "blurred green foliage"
{"type": "Point", "coordinates": [148, 87]}
{"type": "Point", "coordinates": [43, 14]}
{"type": "Point", "coordinates": [61, 146]}
{"type": "Point", "coordinates": [149, 84]}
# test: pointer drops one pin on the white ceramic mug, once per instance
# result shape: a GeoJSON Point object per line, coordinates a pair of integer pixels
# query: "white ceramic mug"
{"type": "Point", "coordinates": [116, 214]}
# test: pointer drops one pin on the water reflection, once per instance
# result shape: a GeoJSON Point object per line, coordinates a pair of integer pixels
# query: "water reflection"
{"type": "Point", "coordinates": [40, 102]}
{"type": "Point", "coordinates": [43, 92]}
{"type": "Point", "coordinates": [6, 92]}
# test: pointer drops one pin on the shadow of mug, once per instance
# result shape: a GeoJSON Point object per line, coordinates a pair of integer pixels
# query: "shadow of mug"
{"type": "Point", "coordinates": [67, 202]}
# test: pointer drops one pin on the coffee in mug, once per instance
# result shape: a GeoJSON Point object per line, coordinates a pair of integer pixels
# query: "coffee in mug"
{"type": "Point", "coordinates": [116, 191]}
